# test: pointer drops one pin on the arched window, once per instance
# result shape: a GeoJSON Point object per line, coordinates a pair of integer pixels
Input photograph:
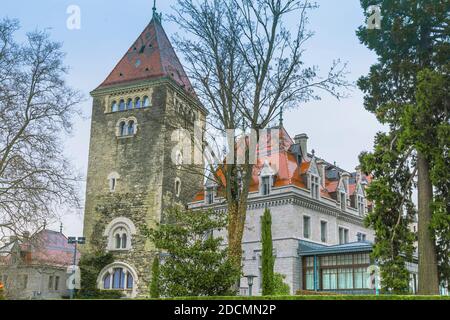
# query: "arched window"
{"type": "Point", "coordinates": [107, 281]}
{"type": "Point", "coordinates": [118, 241]}
{"type": "Point", "coordinates": [130, 104]}
{"type": "Point", "coordinates": [129, 281]}
{"type": "Point", "coordinates": [118, 276]}
{"type": "Point", "coordinates": [131, 128]}
{"type": "Point", "coordinates": [123, 129]}
{"type": "Point", "coordinates": [146, 102]}
{"type": "Point", "coordinates": [114, 107]}
{"type": "Point", "coordinates": [122, 105]}
{"type": "Point", "coordinates": [124, 241]}
{"type": "Point", "coordinates": [120, 233]}
{"type": "Point", "coordinates": [137, 103]}
{"type": "Point", "coordinates": [118, 279]}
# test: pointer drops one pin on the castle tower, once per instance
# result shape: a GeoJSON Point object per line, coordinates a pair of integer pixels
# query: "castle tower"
{"type": "Point", "coordinates": [135, 111]}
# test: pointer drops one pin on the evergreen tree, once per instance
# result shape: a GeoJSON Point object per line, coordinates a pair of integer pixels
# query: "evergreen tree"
{"type": "Point", "coordinates": [413, 38]}
{"type": "Point", "coordinates": [155, 286]}
{"type": "Point", "coordinates": [196, 262]}
{"type": "Point", "coordinates": [267, 257]}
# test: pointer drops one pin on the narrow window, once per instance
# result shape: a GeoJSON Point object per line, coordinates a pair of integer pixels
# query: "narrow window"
{"type": "Point", "coordinates": [323, 231]}
{"type": "Point", "coordinates": [118, 278]}
{"type": "Point", "coordinates": [130, 281]}
{"type": "Point", "coordinates": [343, 200]}
{"type": "Point", "coordinates": [50, 283]}
{"type": "Point", "coordinates": [361, 207]}
{"type": "Point", "coordinates": [123, 129]}
{"type": "Point", "coordinates": [146, 102]}
{"type": "Point", "coordinates": [130, 104]}
{"type": "Point", "coordinates": [114, 107]}
{"type": "Point", "coordinates": [306, 227]}
{"type": "Point", "coordinates": [118, 241]}
{"type": "Point", "coordinates": [56, 283]}
{"type": "Point", "coordinates": [107, 281]}
{"type": "Point", "coordinates": [122, 105]}
{"type": "Point", "coordinates": [137, 103]}
{"type": "Point", "coordinates": [177, 187]}
{"type": "Point", "coordinates": [265, 185]}
{"type": "Point", "coordinates": [210, 196]}
{"type": "Point", "coordinates": [124, 241]}
{"type": "Point", "coordinates": [343, 235]}
{"type": "Point", "coordinates": [131, 128]}
{"type": "Point", "coordinates": [315, 187]}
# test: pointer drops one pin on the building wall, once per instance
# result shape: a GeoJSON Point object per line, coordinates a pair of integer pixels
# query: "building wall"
{"type": "Point", "coordinates": [287, 229]}
{"type": "Point", "coordinates": [37, 284]}
{"type": "Point", "coordinates": [144, 165]}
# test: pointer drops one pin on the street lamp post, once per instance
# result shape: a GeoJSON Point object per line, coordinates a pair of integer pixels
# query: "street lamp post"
{"type": "Point", "coordinates": [250, 278]}
{"type": "Point", "coordinates": [76, 241]}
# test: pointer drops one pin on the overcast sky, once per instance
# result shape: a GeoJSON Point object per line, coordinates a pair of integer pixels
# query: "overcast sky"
{"type": "Point", "coordinates": [338, 130]}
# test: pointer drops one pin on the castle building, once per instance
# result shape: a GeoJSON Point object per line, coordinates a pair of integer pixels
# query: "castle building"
{"type": "Point", "coordinates": [319, 237]}
{"type": "Point", "coordinates": [135, 111]}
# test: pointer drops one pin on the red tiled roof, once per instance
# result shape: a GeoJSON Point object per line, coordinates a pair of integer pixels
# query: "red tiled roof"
{"type": "Point", "coordinates": [47, 248]}
{"type": "Point", "coordinates": [151, 56]}
{"type": "Point", "coordinates": [290, 172]}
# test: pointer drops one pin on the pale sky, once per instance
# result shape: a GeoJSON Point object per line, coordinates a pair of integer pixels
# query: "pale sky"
{"type": "Point", "coordinates": [338, 130]}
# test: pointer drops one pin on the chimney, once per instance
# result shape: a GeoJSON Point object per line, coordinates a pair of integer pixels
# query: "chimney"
{"type": "Point", "coordinates": [302, 140]}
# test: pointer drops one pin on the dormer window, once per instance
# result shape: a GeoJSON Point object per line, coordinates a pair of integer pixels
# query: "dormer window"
{"type": "Point", "coordinates": [343, 200]}
{"type": "Point", "coordinates": [266, 178]}
{"type": "Point", "coordinates": [315, 186]}
{"type": "Point", "coordinates": [361, 206]}
{"type": "Point", "coordinates": [265, 188]}
{"type": "Point", "coordinates": [210, 195]}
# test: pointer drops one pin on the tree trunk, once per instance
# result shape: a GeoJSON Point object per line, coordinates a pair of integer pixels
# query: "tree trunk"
{"type": "Point", "coordinates": [235, 233]}
{"type": "Point", "coordinates": [428, 267]}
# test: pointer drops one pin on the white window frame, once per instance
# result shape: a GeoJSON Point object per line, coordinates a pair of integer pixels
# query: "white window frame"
{"type": "Point", "coordinates": [114, 227]}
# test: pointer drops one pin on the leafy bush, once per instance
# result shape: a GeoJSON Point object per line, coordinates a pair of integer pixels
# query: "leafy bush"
{"type": "Point", "coordinates": [280, 288]}
{"type": "Point", "coordinates": [91, 264]}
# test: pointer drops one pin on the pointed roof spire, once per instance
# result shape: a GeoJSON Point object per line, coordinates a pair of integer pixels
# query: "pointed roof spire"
{"type": "Point", "coordinates": [151, 56]}
{"type": "Point", "coordinates": [157, 17]}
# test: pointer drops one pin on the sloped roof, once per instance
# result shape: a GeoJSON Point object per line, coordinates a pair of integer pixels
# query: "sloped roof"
{"type": "Point", "coordinates": [46, 247]}
{"type": "Point", "coordinates": [306, 249]}
{"type": "Point", "coordinates": [150, 57]}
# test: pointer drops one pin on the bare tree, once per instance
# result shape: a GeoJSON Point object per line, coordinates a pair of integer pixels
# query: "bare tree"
{"type": "Point", "coordinates": [247, 65]}
{"type": "Point", "coordinates": [36, 109]}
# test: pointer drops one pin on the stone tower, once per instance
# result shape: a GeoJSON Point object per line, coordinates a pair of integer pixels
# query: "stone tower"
{"type": "Point", "coordinates": [135, 111]}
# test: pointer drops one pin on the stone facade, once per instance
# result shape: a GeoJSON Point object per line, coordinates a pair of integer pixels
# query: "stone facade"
{"type": "Point", "coordinates": [129, 174]}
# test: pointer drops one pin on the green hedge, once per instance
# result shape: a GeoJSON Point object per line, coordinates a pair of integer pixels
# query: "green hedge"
{"type": "Point", "coordinates": [324, 297]}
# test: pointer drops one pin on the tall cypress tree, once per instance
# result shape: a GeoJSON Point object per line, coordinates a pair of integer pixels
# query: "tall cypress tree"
{"type": "Point", "coordinates": [268, 259]}
{"type": "Point", "coordinates": [413, 38]}
{"type": "Point", "coordinates": [155, 284]}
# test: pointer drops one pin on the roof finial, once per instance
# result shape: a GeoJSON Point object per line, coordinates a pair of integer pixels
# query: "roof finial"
{"type": "Point", "coordinates": [61, 228]}
{"type": "Point", "coordinates": [156, 16]}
